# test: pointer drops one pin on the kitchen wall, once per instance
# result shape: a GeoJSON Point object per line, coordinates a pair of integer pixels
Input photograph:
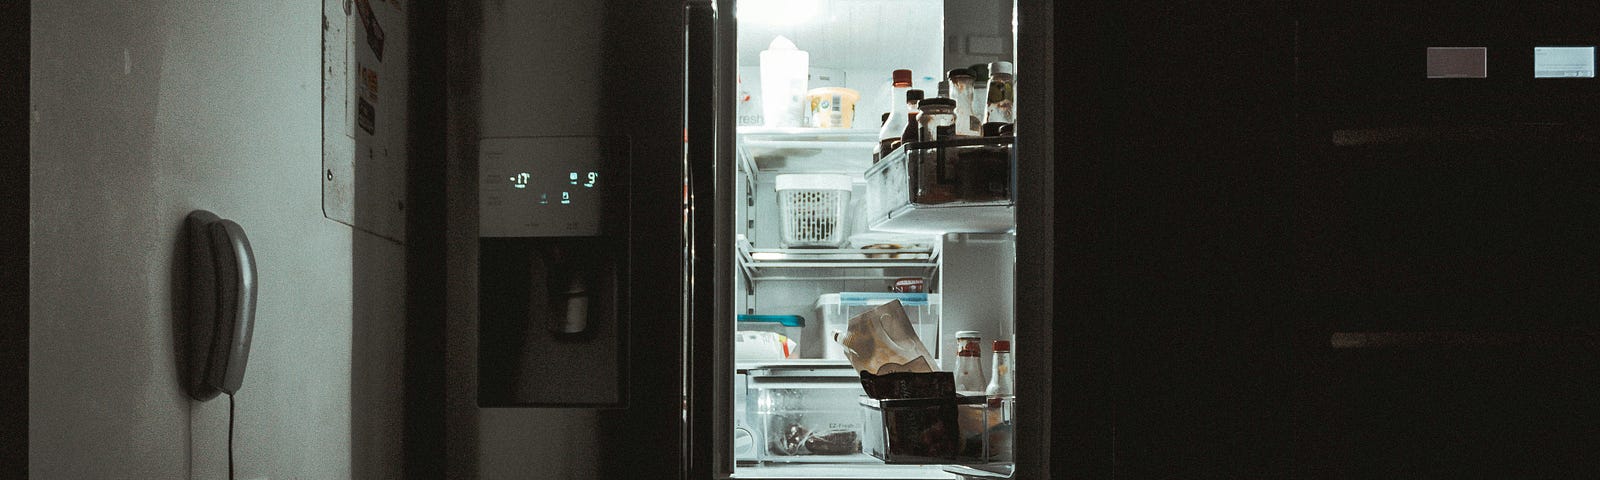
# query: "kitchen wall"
{"type": "Point", "coordinates": [142, 112]}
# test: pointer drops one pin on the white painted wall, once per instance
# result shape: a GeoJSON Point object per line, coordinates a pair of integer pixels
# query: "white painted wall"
{"type": "Point", "coordinates": [143, 111]}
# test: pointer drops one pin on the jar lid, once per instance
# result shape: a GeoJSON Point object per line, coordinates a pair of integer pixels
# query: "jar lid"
{"type": "Point", "coordinates": [992, 129]}
{"type": "Point", "coordinates": [980, 71]}
{"type": "Point", "coordinates": [936, 102]}
{"type": "Point", "coordinates": [1001, 68]}
{"type": "Point", "coordinates": [913, 95]}
{"type": "Point", "coordinates": [968, 334]}
{"type": "Point", "coordinates": [1002, 345]}
{"type": "Point", "coordinates": [960, 72]}
{"type": "Point", "coordinates": [902, 78]}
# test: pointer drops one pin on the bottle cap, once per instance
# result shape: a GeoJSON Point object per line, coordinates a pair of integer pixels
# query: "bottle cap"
{"type": "Point", "coordinates": [960, 72]}
{"type": "Point", "coordinates": [913, 95]}
{"type": "Point", "coordinates": [1002, 345]}
{"type": "Point", "coordinates": [1002, 68]}
{"type": "Point", "coordinates": [929, 102]}
{"type": "Point", "coordinates": [902, 78]}
{"type": "Point", "coordinates": [968, 334]}
{"type": "Point", "coordinates": [944, 89]}
{"type": "Point", "coordinates": [980, 72]}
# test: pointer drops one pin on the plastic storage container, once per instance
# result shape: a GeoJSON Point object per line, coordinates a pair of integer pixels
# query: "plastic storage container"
{"type": "Point", "coordinates": [805, 414]}
{"type": "Point", "coordinates": [831, 107]}
{"type": "Point", "coordinates": [767, 337]}
{"type": "Point", "coordinates": [783, 83]}
{"type": "Point", "coordinates": [814, 209]}
{"type": "Point", "coordinates": [918, 431]}
{"type": "Point", "coordinates": [833, 312]}
{"type": "Point", "coordinates": [961, 185]}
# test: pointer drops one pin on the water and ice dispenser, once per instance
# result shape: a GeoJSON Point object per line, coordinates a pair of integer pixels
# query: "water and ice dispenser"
{"type": "Point", "coordinates": [551, 253]}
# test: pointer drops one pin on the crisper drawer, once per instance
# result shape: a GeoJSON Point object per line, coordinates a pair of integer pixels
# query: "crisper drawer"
{"type": "Point", "coordinates": [805, 413]}
{"type": "Point", "coordinates": [951, 186]}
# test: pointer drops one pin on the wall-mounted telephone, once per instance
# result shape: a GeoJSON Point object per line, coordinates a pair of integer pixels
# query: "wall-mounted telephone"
{"type": "Point", "coordinates": [222, 304]}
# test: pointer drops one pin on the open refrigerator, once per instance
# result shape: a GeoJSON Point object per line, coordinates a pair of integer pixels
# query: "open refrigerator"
{"type": "Point", "coordinates": [813, 226]}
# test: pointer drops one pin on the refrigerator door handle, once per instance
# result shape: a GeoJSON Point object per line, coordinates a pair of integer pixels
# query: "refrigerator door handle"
{"type": "Point", "coordinates": [706, 453]}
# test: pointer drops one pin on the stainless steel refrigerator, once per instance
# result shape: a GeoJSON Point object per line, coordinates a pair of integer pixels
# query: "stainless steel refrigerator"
{"type": "Point", "coordinates": [623, 267]}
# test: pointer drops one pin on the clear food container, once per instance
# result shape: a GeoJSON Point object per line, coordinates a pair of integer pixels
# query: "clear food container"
{"type": "Point", "coordinates": [966, 430]}
{"type": "Point", "coordinates": [805, 414]}
{"type": "Point", "coordinates": [834, 310]}
{"type": "Point", "coordinates": [961, 185]}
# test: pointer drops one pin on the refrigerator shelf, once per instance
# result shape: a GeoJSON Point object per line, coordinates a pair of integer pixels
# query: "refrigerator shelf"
{"type": "Point", "coordinates": [789, 263]}
{"type": "Point", "coordinates": [806, 150]}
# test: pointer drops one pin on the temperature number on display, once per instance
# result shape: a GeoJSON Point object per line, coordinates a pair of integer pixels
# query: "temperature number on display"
{"type": "Point", "coordinates": [572, 178]}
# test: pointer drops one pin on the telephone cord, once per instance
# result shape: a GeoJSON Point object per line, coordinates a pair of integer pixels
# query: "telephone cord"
{"type": "Point", "coordinates": [230, 436]}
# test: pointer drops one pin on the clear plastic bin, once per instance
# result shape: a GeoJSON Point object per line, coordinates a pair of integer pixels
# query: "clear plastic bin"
{"type": "Point", "coordinates": [805, 414]}
{"type": "Point", "coordinates": [961, 185]}
{"type": "Point", "coordinates": [834, 310]}
{"type": "Point", "coordinates": [918, 430]}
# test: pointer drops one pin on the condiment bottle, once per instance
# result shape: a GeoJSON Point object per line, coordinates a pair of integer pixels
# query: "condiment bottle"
{"type": "Point", "coordinates": [909, 134]}
{"type": "Point", "coordinates": [895, 126]}
{"type": "Point", "coordinates": [1002, 95]}
{"type": "Point", "coordinates": [968, 369]}
{"type": "Point", "coordinates": [1001, 384]}
{"type": "Point", "coordinates": [937, 119]}
{"type": "Point", "coordinates": [877, 148]}
{"type": "Point", "coordinates": [967, 121]}
{"type": "Point", "coordinates": [1001, 400]}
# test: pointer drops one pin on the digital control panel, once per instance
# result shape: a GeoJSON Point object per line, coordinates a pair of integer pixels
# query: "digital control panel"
{"type": "Point", "coordinates": [543, 186]}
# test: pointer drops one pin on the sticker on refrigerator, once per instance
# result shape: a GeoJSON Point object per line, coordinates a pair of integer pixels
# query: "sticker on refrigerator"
{"type": "Point", "coordinates": [1563, 62]}
{"type": "Point", "coordinates": [1458, 62]}
{"type": "Point", "coordinates": [366, 116]}
{"type": "Point", "coordinates": [368, 84]}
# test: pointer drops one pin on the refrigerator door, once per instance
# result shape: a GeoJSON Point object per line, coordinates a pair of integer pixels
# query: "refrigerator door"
{"type": "Point", "coordinates": [531, 293]}
{"type": "Point", "coordinates": [1446, 226]}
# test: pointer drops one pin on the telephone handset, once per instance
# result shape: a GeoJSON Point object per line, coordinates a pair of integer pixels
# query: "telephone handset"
{"type": "Point", "coordinates": [222, 304]}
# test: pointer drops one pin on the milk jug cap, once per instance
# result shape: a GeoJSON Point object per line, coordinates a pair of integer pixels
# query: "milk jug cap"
{"type": "Point", "coordinates": [781, 43]}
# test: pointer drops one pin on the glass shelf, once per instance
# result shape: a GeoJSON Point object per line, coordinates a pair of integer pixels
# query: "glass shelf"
{"type": "Point", "coordinates": [818, 263]}
{"type": "Point", "coordinates": [806, 150]}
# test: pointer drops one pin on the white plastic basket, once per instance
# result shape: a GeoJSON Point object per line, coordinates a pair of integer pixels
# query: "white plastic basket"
{"type": "Point", "coordinates": [815, 209]}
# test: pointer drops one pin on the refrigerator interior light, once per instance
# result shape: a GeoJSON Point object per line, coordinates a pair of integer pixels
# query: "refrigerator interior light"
{"type": "Point", "coordinates": [777, 12]}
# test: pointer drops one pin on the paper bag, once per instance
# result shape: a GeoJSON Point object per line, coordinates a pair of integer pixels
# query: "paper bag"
{"type": "Point", "coordinates": [881, 341]}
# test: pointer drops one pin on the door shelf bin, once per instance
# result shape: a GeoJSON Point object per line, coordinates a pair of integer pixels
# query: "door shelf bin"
{"type": "Point", "coordinates": [916, 431]}
{"type": "Point", "coordinates": [951, 186]}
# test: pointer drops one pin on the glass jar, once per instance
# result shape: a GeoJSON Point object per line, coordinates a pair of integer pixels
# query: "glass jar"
{"type": "Point", "coordinates": [968, 120]}
{"type": "Point", "coordinates": [937, 119]}
{"type": "Point", "coordinates": [1002, 94]}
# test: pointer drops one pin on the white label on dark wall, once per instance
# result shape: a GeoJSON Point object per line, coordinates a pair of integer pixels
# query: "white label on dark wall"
{"type": "Point", "coordinates": [1458, 62]}
{"type": "Point", "coordinates": [1563, 62]}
